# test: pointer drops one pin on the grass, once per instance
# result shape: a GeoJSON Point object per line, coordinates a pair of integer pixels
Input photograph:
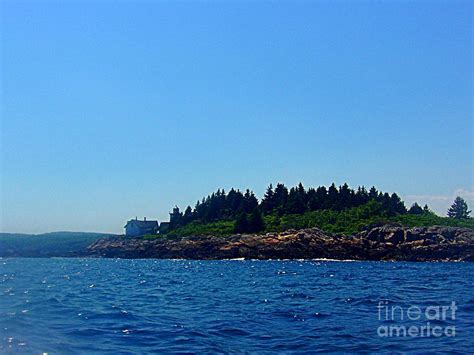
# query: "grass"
{"type": "Point", "coordinates": [218, 228]}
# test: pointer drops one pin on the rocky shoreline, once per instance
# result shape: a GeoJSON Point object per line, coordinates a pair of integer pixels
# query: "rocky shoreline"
{"type": "Point", "coordinates": [387, 242]}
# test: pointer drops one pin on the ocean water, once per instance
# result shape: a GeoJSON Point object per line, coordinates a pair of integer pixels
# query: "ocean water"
{"type": "Point", "coordinates": [114, 305]}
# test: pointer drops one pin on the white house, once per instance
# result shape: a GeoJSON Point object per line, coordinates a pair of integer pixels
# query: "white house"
{"type": "Point", "coordinates": [135, 227]}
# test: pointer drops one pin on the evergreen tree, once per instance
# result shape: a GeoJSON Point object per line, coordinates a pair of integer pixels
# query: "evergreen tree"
{"type": "Point", "coordinates": [345, 197]}
{"type": "Point", "coordinates": [415, 209]}
{"type": "Point", "coordinates": [302, 196]}
{"type": "Point", "coordinates": [255, 222]}
{"type": "Point", "coordinates": [373, 193]}
{"type": "Point", "coordinates": [197, 210]}
{"type": "Point", "coordinates": [281, 197]}
{"type": "Point", "coordinates": [459, 209]}
{"type": "Point", "coordinates": [396, 205]}
{"type": "Point", "coordinates": [234, 202]}
{"type": "Point", "coordinates": [212, 208]}
{"type": "Point", "coordinates": [321, 198]}
{"type": "Point", "coordinates": [219, 204]}
{"type": "Point", "coordinates": [384, 200]}
{"type": "Point", "coordinates": [295, 203]}
{"type": "Point", "coordinates": [188, 215]}
{"type": "Point", "coordinates": [268, 201]}
{"type": "Point", "coordinates": [333, 198]}
{"type": "Point", "coordinates": [250, 202]}
{"type": "Point", "coordinates": [313, 203]}
{"type": "Point", "coordinates": [242, 224]}
{"type": "Point", "coordinates": [361, 196]}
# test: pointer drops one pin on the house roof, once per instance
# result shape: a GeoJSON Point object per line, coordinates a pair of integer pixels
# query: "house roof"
{"type": "Point", "coordinates": [143, 224]}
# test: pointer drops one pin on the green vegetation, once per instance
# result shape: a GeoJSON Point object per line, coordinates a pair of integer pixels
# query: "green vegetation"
{"type": "Point", "coordinates": [459, 209]}
{"type": "Point", "coordinates": [334, 209]}
{"type": "Point", "coordinates": [280, 201]}
{"type": "Point", "coordinates": [218, 228]}
{"type": "Point", "coordinates": [356, 219]}
{"type": "Point", "coordinates": [252, 223]}
{"type": "Point", "coordinates": [431, 219]}
{"type": "Point", "coordinates": [346, 222]}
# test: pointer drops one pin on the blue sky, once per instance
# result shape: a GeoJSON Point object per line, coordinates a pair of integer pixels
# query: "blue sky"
{"type": "Point", "coordinates": [116, 110]}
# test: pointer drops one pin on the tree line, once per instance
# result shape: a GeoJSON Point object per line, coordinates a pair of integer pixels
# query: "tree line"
{"type": "Point", "coordinates": [247, 210]}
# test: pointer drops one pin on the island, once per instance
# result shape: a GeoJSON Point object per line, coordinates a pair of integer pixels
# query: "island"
{"type": "Point", "coordinates": [332, 222]}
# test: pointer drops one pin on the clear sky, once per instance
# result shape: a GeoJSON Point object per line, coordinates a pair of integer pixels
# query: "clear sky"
{"type": "Point", "coordinates": [111, 110]}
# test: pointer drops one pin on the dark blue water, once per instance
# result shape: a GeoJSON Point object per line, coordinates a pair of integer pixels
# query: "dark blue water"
{"type": "Point", "coordinates": [93, 305]}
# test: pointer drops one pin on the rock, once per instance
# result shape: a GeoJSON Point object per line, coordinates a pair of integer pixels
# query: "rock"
{"type": "Point", "coordinates": [395, 237]}
{"type": "Point", "coordinates": [388, 242]}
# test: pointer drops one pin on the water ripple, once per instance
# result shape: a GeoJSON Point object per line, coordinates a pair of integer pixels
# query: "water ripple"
{"type": "Point", "coordinates": [181, 306]}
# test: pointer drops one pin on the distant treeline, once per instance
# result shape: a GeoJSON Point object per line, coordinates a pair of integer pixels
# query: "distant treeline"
{"type": "Point", "coordinates": [248, 212]}
{"type": "Point", "coordinates": [56, 244]}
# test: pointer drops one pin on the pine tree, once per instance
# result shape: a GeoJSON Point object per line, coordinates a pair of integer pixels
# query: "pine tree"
{"type": "Point", "coordinates": [295, 204]}
{"type": "Point", "coordinates": [459, 209]}
{"type": "Point", "coordinates": [198, 210]}
{"type": "Point", "coordinates": [361, 196]}
{"type": "Point", "coordinates": [255, 222]}
{"type": "Point", "coordinates": [373, 193]}
{"type": "Point", "coordinates": [333, 198]}
{"type": "Point", "coordinates": [321, 198]}
{"type": "Point", "coordinates": [384, 199]}
{"type": "Point", "coordinates": [242, 224]}
{"type": "Point", "coordinates": [396, 205]}
{"type": "Point", "coordinates": [415, 209]}
{"type": "Point", "coordinates": [250, 201]}
{"type": "Point", "coordinates": [313, 203]}
{"type": "Point", "coordinates": [268, 201]}
{"type": "Point", "coordinates": [281, 197]}
{"type": "Point", "coordinates": [345, 197]}
{"type": "Point", "coordinates": [302, 196]}
{"type": "Point", "coordinates": [188, 215]}
{"type": "Point", "coordinates": [234, 202]}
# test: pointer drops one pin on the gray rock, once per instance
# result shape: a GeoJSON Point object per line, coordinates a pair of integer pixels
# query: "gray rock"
{"type": "Point", "coordinates": [390, 242]}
